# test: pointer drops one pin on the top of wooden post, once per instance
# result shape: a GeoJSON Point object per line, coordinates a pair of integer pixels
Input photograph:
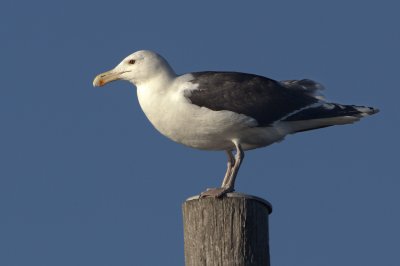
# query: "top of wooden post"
{"type": "Point", "coordinates": [240, 195]}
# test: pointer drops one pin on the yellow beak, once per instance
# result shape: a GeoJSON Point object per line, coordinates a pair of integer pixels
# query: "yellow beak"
{"type": "Point", "coordinates": [105, 78]}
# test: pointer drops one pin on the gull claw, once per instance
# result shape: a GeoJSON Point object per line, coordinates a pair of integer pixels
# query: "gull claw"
{"type": "Point", "coordinates": [216, 192]}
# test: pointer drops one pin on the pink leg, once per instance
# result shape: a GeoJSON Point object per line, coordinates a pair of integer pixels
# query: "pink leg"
{"type": "Point", "coordinates": [228, 184]}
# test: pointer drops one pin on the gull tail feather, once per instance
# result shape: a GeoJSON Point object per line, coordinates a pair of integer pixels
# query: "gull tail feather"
{"type": "Point", "coordinates": [326, 115]}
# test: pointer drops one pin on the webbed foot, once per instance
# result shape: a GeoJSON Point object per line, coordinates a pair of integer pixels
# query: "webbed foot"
{"type": "Point", "coordinates": [216, 192]}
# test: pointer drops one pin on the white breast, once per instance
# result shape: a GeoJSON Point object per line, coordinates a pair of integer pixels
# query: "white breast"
{"type": "Point", "coordinates": [176, 118]}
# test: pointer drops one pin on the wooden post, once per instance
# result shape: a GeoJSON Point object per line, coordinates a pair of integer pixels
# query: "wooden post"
{"type": "Point", "coordinates": [232, 231]}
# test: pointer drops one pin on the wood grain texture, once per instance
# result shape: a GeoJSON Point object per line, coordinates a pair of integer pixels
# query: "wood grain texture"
{"type": "Point", "coordinates": [232, 231]}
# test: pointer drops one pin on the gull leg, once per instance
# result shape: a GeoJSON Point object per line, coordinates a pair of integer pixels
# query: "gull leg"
{"type": "Point", "coordinates": [231, 162]}
{"type": "Point", "coordinates": [217, 192]}
{"type": "Point", "coordinates": [239, 156]}
{"type": "Point", "coordinates": [228, 185]}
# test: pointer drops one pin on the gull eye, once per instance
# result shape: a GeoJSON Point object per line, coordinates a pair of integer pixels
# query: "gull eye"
{"type": "Point", "coordinates": [131, 62]}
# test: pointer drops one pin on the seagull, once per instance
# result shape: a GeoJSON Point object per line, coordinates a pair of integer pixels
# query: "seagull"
{"type": "Point", "coordinates": [227, 111]}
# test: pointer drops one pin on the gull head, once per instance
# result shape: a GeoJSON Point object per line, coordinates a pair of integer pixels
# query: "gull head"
{"type": "Point", "coordinates": [137, 68]}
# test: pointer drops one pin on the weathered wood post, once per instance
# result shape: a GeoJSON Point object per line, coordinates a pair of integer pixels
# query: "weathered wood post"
{"type": "Point", "coordinates": [232, 231]}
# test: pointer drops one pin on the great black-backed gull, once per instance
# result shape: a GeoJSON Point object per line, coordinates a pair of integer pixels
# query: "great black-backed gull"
{"type": "Point", "coordinates": [227, 111]}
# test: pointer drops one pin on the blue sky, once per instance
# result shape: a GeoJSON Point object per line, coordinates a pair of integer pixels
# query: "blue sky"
{"type": "Point", "coordinates": [86, 180]}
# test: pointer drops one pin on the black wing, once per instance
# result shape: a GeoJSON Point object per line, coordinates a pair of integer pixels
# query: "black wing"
{"type": "Point", "coordinates": [263, 99]}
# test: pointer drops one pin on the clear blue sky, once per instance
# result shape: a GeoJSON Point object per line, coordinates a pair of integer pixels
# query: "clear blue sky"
{"type": "Point", "coordinates": [86, 180]}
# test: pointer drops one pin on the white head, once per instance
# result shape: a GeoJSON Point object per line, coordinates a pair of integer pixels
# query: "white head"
{"type": "Point", "coordinates": [137, 68]}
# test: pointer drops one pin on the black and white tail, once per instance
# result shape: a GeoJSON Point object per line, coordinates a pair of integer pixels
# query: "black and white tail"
{"type": "Point", "coordinates": [321, 113]}
{"type": "Point", "coordinates": [326, 114]}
